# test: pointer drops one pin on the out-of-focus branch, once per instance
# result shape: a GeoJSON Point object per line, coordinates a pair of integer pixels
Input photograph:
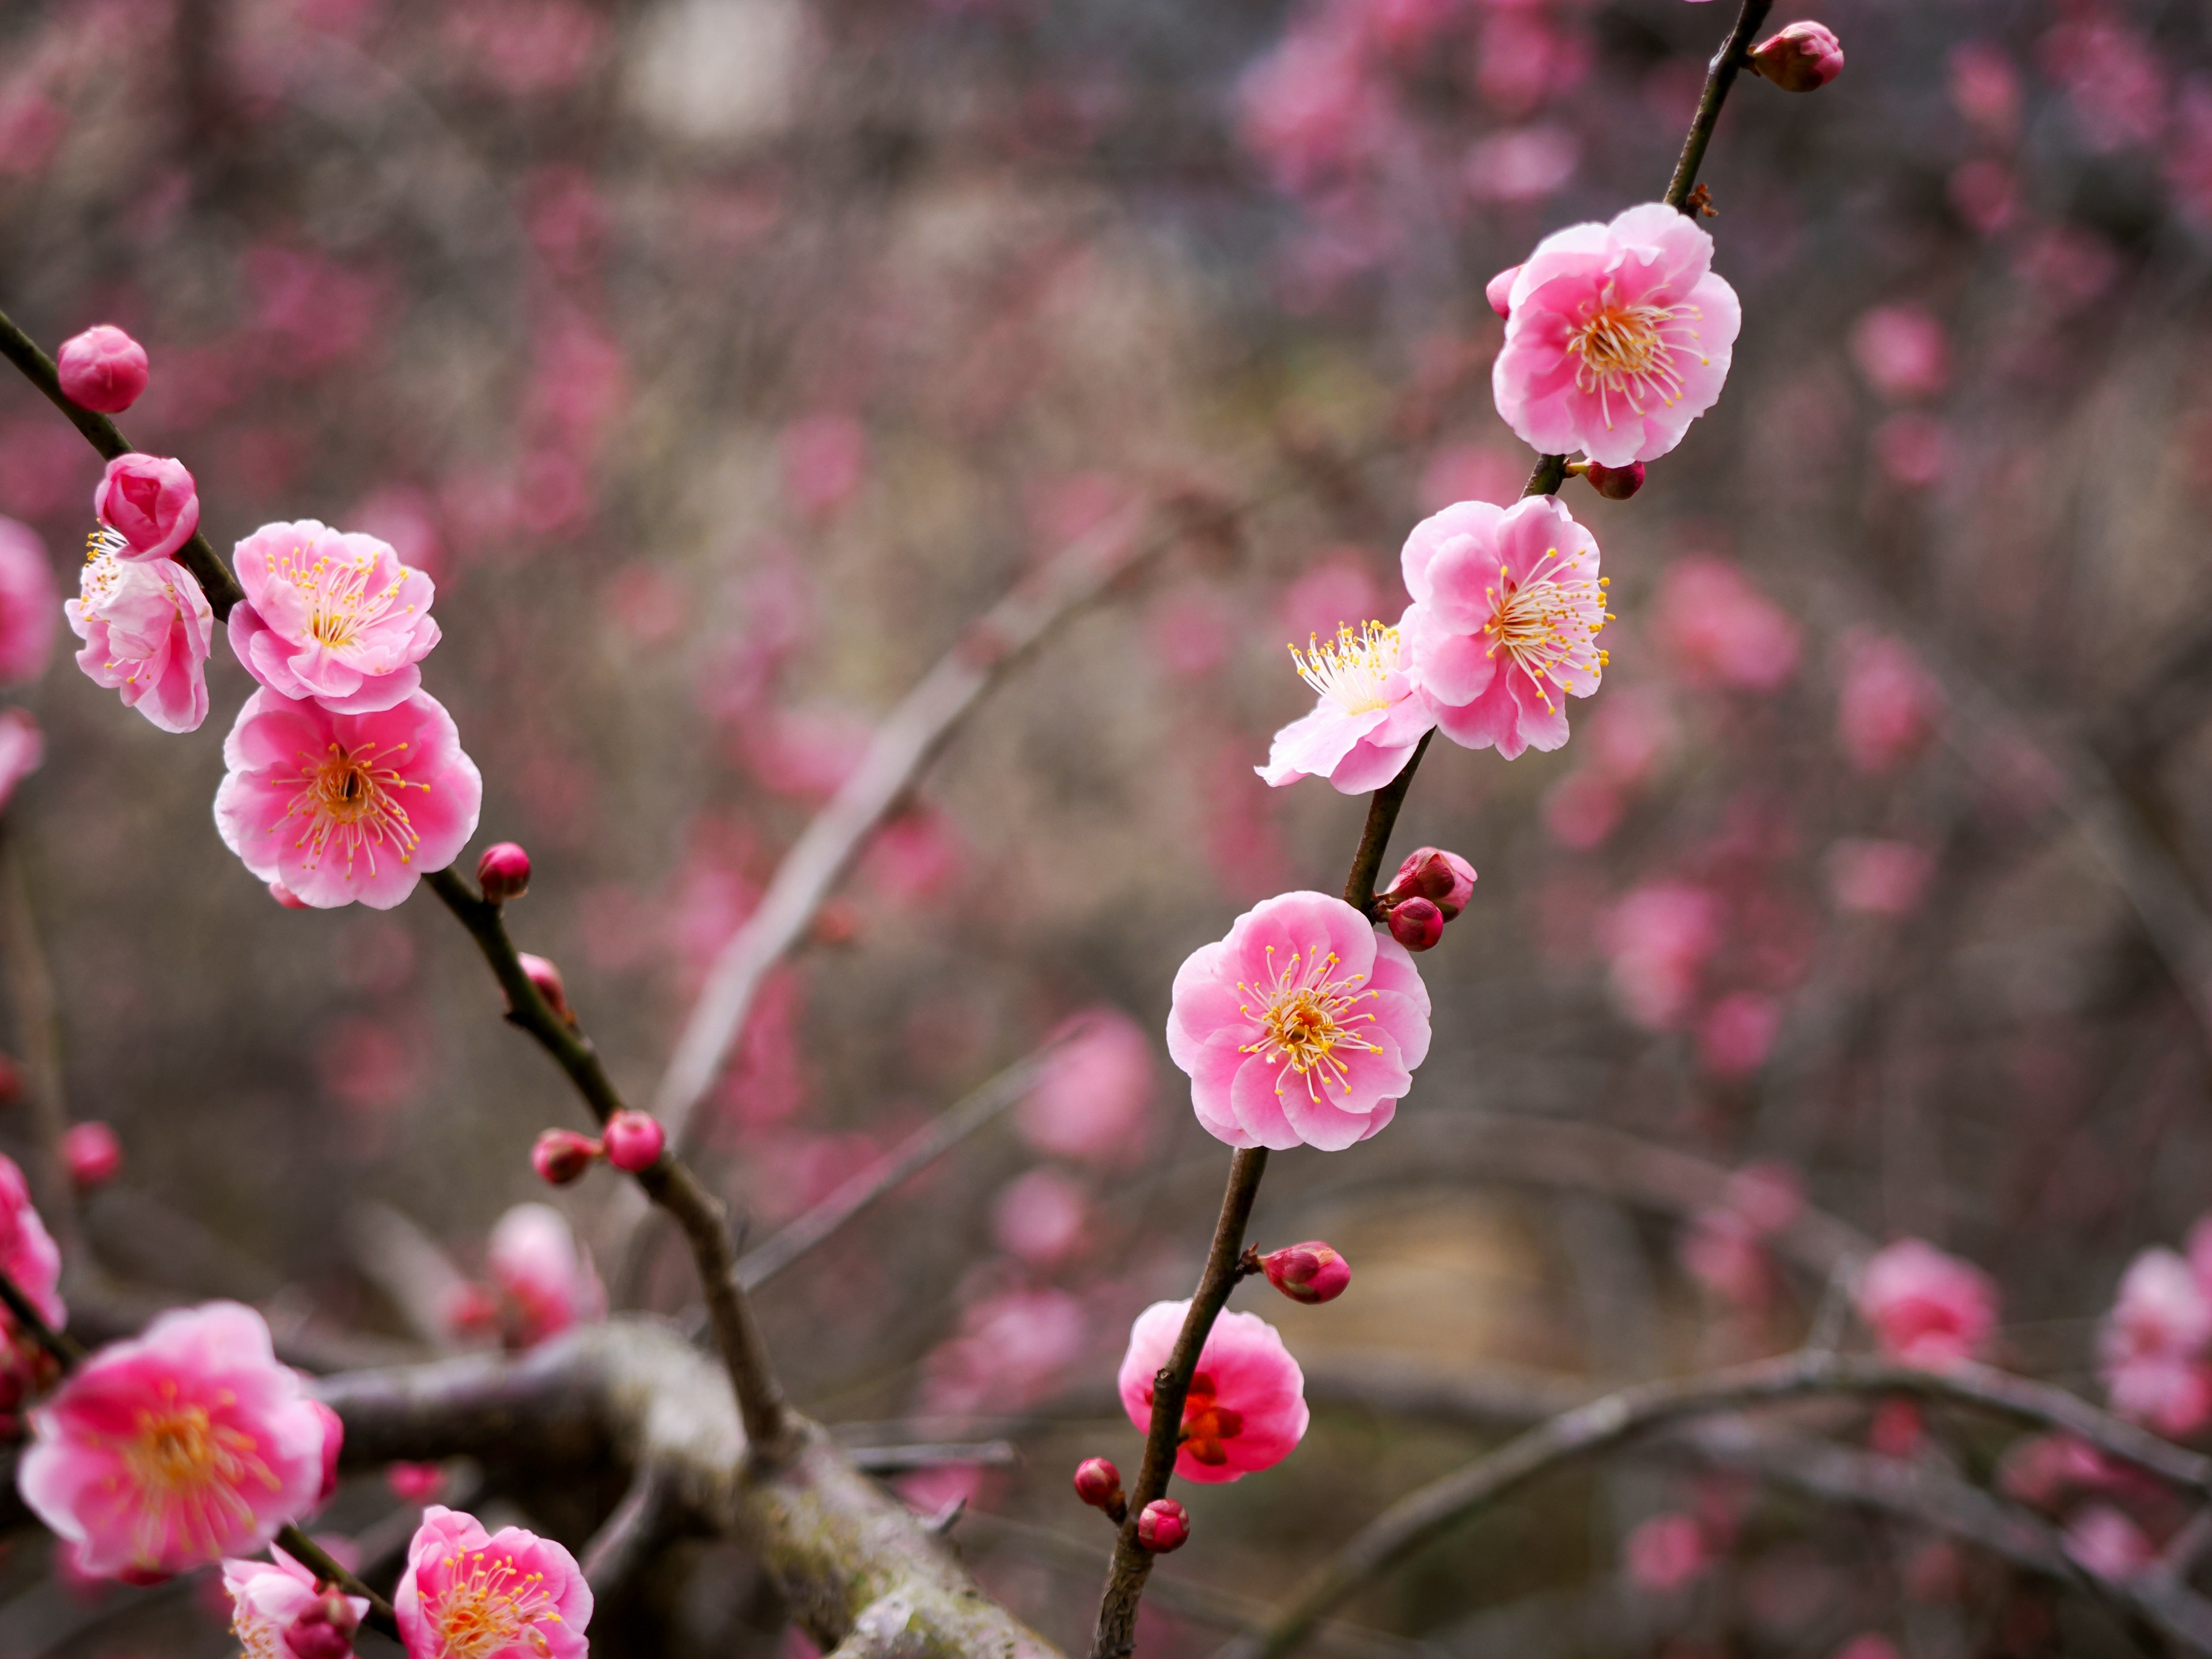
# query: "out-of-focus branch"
{"type": "Point", "coordinates": [626, 1539]}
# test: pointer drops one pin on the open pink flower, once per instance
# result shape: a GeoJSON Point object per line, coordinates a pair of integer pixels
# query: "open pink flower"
{"type": "Point", "coordinates": [27, 593]}
{"type": "Point", "coordinates": [177, 1447]}
{"type": "Point", "coordinates": [1509, 604]}
{"type": "Point", "coordinates": [346, 807]}
{"type": "Point", "coordinates": [1616, 337]}
{"type": "Point", "coordinates": [331, 616]}
{"type": "Point", "coordinates": [1926, 1308]}
{"type": "Point", "coordinates": [146, 630]}
{"type": "Point", "coordinates": [1247, 1405]}
{"type": "Point", "coordinates": [468, 1593]}
{"type": "Point", "coordinates": [267, 1597]}
{"type": "Point", "coordinates": [546, 1274]}
{"type": "Point", "coordinates": [1303, 1025]}
{"type": "Point", "coordinates": [1094, 1101]}
{"type": "Point", "coordinates": [1368, 722]}
{"type": "Point", "coordinates": [150, 504]}
{"type": "Point", "coordinates": [2153, 1348]}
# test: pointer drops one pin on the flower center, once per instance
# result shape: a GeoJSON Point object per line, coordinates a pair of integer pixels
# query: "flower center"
{"type": "Point", "coordinates": [1308, 1015]}
{"type": "Point", "coordinates": [1628, 351]}
{"type": "Point", "coordinates": [1352, 669]}
{"type": "Point", "coordinates": [1547, 623]}
{"type": "Point", "coordinates": [488, 1607]}
{"type": "Point", "coordinates": [341, 604]}
{"type": "Point", "coordinates": [353, 797]}
{"type": "Point", "coordinates": [188, 1471]}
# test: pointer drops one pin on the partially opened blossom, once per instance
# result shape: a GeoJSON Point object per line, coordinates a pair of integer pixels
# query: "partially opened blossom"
{"type": "Point", "coordinates": [266, 1596]}
{"type": "Point", "coordinates": [1617, 336]}
{"type": "Point", "coordinates": [1509, 604]}
{"type": "Point", "coordinates": [467, 1594]}
{"type": "Point", "coordinates": [1303, 1025]}
{"type": "Point", "coordinates": [1925, 1307]}
{"type": "Point", "coordinates": [147, 631]}
{"type": "Point", "coordinates": [22, 749]}
{"type": "Point", "coordinates": [176, 1447]}
{"type": "Point", "coordinates": [1093, 1101]}
{"type": "Point", "coordinates": [27, 592]}
{"type": "Point", "coordinates": [2153, 1348]}
{"type": "Point", "coordinates": [544, 1274]}
{"type": "Point", "coordinates": [346, 807]}
{"type": "Point", "coordinates": [1247, 1405]}
{"type": "Point", "coordinates": [1368, 718]}
{"type": "Point", "coordinates": [331, 616]}
{"type": "Point", "coordinates": [149, 503]}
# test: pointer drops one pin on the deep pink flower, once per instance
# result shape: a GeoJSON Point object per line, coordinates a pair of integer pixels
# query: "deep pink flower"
{"type": "Point", "coordinates": [1666, 1552]}
{"type": "Point", "coordinates": [1926, 1308]}
{"type": "Point", "coordinates": [102, 369]}
{"type": "Point", "coordinates": [2153, 1348]}
{"type": "Point", "coordinates": [1890, 706]}
{"type": "Point", "coordinates": [176, 1447]}
{"type": "Point", "coordinates": [147, 631]}
{"type": "Point", "coordinates": [1721, 630]}
{"type": "Point", "coordinates": [346, 807]}
{"type": "Point", "coordinates": [332, 616]}
{"type": "Point", "coordinates": [1094, 1101]}
{"type": "Point", "coordinates": [92, 1153]}
{"type": "Point", "coordinates": [1618, 336]}
{"type": "Point", "coordinates": [1659, 937]}
{"type": "Point", "coordinates": [22, 751]}
{"type": "Point", "coordinates": [265, 1597]}
{"type": "Point", "coordinates": [545, 1274]}
{"type": "Point", "coordinates": [1247, 1405]}
{"type": "Point", "coordinates": [468, 1593]}
{"type": "Point", "coordinates": [1368, 718]}
{"type": "Point", "coordinates": [1509, 604]}
{"type": "Point", "coordinates": [151, 504]}
{"type": "Point", "coordinates": [27, 592]}
{"type": "Point", "coordinates": [1303, 1025]}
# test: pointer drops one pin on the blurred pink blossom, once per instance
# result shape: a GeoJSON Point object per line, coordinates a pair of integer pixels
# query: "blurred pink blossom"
{"type": "Point", "coordinates": [508, 1595]}
{"type": "Point", "coordinates": [1469, 472]}
{"type": "Point", "coordinates": [1721, 630]}
{"type": "Point", "coordinates": [1188, 632]}
{"type": "Point", "coordinates": [1878, 878]}
{"type": "Point", "coordinates": [1926, 1308]}
{"type": "Point", "coordinates": [28, 597]}
{"type": "Point", "coordinates": [1312, 108]}
{"type": "Point", "coordinates": [1525, 164]}
{"type": "Point", "coordinates": [2113, 78]}
{"type": "Point", "coordinates": [148, 631]}
{"type": "Point", "coordinates": [266, 1596]}
{"type": "Point", "coordinates": [407, 518]}
{"type": "Point", "coordinates": [1583, 809]}
{"type": "Point", "coordinates": [22, 749]}
{"type": "Point", "coordinates": [1666, 1552]}
{"type": "Point", "coordinates": [2189, 152]}
{"type": "Point", "coordinates": [1903, 352]}
{"type": "Point", "coordinates": [1737, 1034]}
{"type": "Point", "coordinates": [1012, 1350]}
{"type": "Point", "coordinates": [1985, 88]}
{"type": "Point", "coordinates": [1723, 1252]}
{"type": "Point", "coordinates": [526, 48]}
{"type": "Point", "coordinates": [31, 129]}
{"type": "Point", "coordinates": [805, 752]}
{"type": "Point", "coordinates": [1336, 588]}
{"type": "Point", "coordinates": [1246, 1410]}
{"type": "Point", "coordinates": [1914, 450]}
{"type": "Point", "coordinates": [2152, 1349]}
{"type": "Point", "coordinates": [565, 218]}
{"type": "Point", "coordinates": [545, 1274]}
{"type": "Point", "coordinates": [309, 310]}
{"type": "Point", "coordinates": [1867, 1644]}
{"type": "Point", "coordinates": [1094, 1099]}
{"type": "Point", "coordinates": [1039, 1217]}
{"type": "Point", "coordinates": [825, 461]}
{"type": "Point", "coordinates": [2104, 1541]}
{"type": "Point", "coordinates": [2049, 1471]}
{"type": "Point", "coordinates": [1658, 939]}
{"type": "Point", "coordinates": [914, 856]}
{"type": "Point", "coordinates": [1985, 194]}
{"type": "Point", "coordinates": [1889, 707]}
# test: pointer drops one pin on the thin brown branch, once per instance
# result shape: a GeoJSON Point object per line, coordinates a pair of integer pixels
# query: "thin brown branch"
{"type": "Point", "coordinates": [1374, 837]}
{"type": "Point", "coordinates": [1720, 75]}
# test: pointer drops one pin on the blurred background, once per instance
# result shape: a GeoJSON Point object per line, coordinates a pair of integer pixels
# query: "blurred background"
{"type": "Point", "coordinates": [722, 358]}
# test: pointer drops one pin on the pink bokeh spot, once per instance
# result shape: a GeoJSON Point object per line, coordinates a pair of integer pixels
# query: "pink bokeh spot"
{"type": "Point", "coordinates": [1618, 336]}
{"type": "Point", "coordinates": [1926, 1308]}
{"type": "Point", "coordinates": [1302, 1027]}
{"type": "Point", "coordinates": [266, 1596]}
{"type": "Point", "coordinates": [2152, 1350]}
{"type": "Point", "coordinates": [151, 504]}
{"type": "Point", "coordinates": [1890, 707]}
{"type": "Point", "coordinates": [544, 1274]}
{"type": "Point", "coordinates": [1093, 1102]}
{"type": "Point", "coordinates": [148, 631]}
{"type": "Point", "coordinates": [468, 1593]}
{"type": "Point", "coordinates": [29, 1256]}
{"type": "Point", "coordinates": [1246, 1410]}
{"type": "Point", "coordinates": [27, 593]}
{"type": "Point", "coordinates": [178, 1447]}
{"type": "Point", "coordinates": [1721, 630]}
{"type": "Point", "coordinates": [343, 808]}
{"type": "Point", "coordinates": [22, 749]}
{"type": "Point", "coordinates": [1659, 938]}
{"type": "Point", "coordinates": [331, 617]}
{"type": "Point", "coordinates": [1666, 1552]}
{"type": "Point", "coordinates": [1368, 718]}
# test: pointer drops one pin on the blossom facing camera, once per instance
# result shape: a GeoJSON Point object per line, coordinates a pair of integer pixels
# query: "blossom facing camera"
{"type": "Point", "coordinates": [346, 808]}
{"type": "Point", "coordinates": [1368, 719]}
{"type": "Point", "coordinates": [561, 1156]}
{"type": "Point", "coordinates": [546, 977]}
{"type": "Point", "coordinates": [633, 1140]}
{"type": "Point", "coordinates": [1615, 483]}
{"type": "Point", "coordinates": [331, 617]}
{"type": "Point", "coordinates": [1302, 1027]}
{"type": "Point", "coordinates": [149, 503]}
{"type": "Point", "coordinates": [510, 1595]}
{"type": "Point", "coordinates": [1618, 336]}
{"type": "Point", "coordinates": [1803, 57]}
{"type": "Point", "coordinates": [1926, 1308]}
{"type": "Point", "coordinates": [1098, 1484]}
{"type": "Point", "coordinates": [1309, 1272]}
{"type": "Point", "coordinates": [93, 1154]}
{"type": "Point", "coordinates": [1430, 872]}
{"type": "Point", "coordinates": [270, 1601]}
{"type": "Point", "coordinates": [1416, 923]}
{"type": "Point", "coordinates": [503, 871]}
{"type": "Point", "coordinates": [147, 631]}
{"type": "Point", "coordinates": [1164, 1526]}
{"type": "Point", "coordinates": [102, 369]}
{"type": "Point", "coordinates": [1246, 1409]}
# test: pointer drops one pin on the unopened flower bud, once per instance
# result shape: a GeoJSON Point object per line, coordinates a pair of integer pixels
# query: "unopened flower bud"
{"type": "Point", "coordinates": [102, 369]}
{"type": "Point", "coordinates": [547, 978]}
{"type": "Point", "coordinates": [1803, 57]}
{"type": "Point", "coordinates": [503, 873]}
{"type": "Point", "coordinates": [471, 1310]}
{"type": "Point", "coordinates": [1616, 484]}
{"type": "Point", "coordinates": [415, 1483]}
{"type": "Point", "coordinates": [1311, 1272]}
{"type": "Point", "coordinates": [561, 1155]}
{"type": "Point", "coordinates": [1499, 290]}
{"type": "Point", "coordinates": [1098, 1484]}
{"type": "Point", "coordinates": [1163, 1526]}
{"type": "Point", "coordinates": [285, 896]}
{"type": "Point", "coordinates": [1416, 923]}
{"type": "Point", "coordinates": [1430, 872]}
{"type": "Point", "coordinates": [323, 1629]}
{"type": "Point", "coordinates": [633, 1140]}
{"type": "Point", "coordinates": [92, 1153]}
{"type": "Point", "coordinates": [148, 500]}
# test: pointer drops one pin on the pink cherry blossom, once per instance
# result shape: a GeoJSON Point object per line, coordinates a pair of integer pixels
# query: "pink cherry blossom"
{"type": "Point", "coordinates": [510, 1595]}
{"type": "Point", "coordinates": [22, 751]}
{"type": "Point", "coordinates": [1509, 604]}
{"type": "Point", "coordinates": [1926, 1308]}
{"type": "Point", "coordinates": [332, 616]}
{"type": "Point", "coordinates": [151, 505]}
{"type": "Point", "coordinates": [1617, 336]}
{"type": "Point", "coordinates": [1890, 706]}
{"type": "Point", "coordinates": [1721, 630]}
{"type": "Point", "coordinates": [2153, 1348]}
{"type": "Point", "coordinates": [1247, 1405]}
{"type": "Point", "coordinates": [102, 369]}
{"type": "Point", "coordinates": [27, 592]}
{"type": "Point", "coordinates": [1666, 1552]}
{"type": "Point", "coordinates": [177, 1447]}
{"type": "Point", "coordinates": [544, 1273]}
{"type": "Point", "coordinates": [1303, 1025]}
{"type": "Point", "coordinates": [1368, 718]}
{"type": "Point", "coordinates": [346, 807]}
{"type": "Point", "coordinates": [1093, 1102]}
{"type": "Point", "coordinates": [267, 1597]}
{"type": "Point", "coordinates": [1659, 938]}
{"type": "Point", "coordinates": [146, 630]}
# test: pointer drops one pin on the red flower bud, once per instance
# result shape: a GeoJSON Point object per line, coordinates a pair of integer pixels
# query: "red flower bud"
{"type": "Point", "coordinates": [1163, 1526]}
{"type": "Point", "coordinates": [323, 1629]}
{"type": "Point", "coordinates": [415, 1483]}
{"type": "Point", "coordinates": [561, 1155]}
{"type": "Point", "coordinates": [92, 1153]}
{"type": "Point", "coordinates": [102, 368]}
{"type": "Point", "coordinates": [1803, 57]}
{"type": "Point", "coordinates": [1616, 484]}
{"type": "Point", "coordinates": [503, 873]}
{"type": "Point", "coordinates": [1311, 1272]}
{"type": "Point", "coordinates": [1430, 872]}
{"type": "Point", "coordinates": [547, 978]}
{"type": "Point", "coordinates": [1416, 923]}
{"type": "Point", "coordinates": [633, 1140]}
{"type": "Point", "coordinates": [1098, 1484]}
{"type": "Point", "coordinates": [1499, 290]}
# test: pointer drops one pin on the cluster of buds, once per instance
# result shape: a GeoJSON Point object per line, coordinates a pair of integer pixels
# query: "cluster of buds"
{"type": "Point", "coordinates": [1803, 57]}
{"type": "Point", "coordinates": [632, 1142]}
{"type": "Point", "coordinates": [324, 1629]}
{"type": "Point", "coordinates": [1432, 887]}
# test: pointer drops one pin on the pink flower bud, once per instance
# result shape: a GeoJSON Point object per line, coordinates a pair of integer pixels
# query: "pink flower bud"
{"type": "Point", "coordinates": [323, 1629]}
{"type": "Point", "coordinates": [1098, 1484]}
{"type": "Point", "coordinates": [1499, 290]}
{"type": "Point", "coordinates": [92, 1153]}
{"type": "Point", "coordinates": [561, 1155]}
{"type": "Point", "coordinates": [1803, 57]}
{"type": "Point", "coordinates": [1311, 1272]}
{"type": "Point", "coordinates": [633, 1140]}
{"type": "Point", "coordinates": [1163, 1526]}
{"type": "Point", "coordinates": [1430, 872]}
{"type": "Point", "coordinates": [503, 873]}
{"type": "Point", "coordinates": [1616, 484]}
{"type": "Point", "coordinates": [151, 503]}
{"type": "Point", "coordinates": [285, 896]}
{"type": "Point", "coordinates": [547, 978]}
{"type": "Point", "coordinates": [415, 1483]}
{"type": "Point", "coordinates": [1416, 923]}
{"type": "Point", "coordinates": [103, 369]}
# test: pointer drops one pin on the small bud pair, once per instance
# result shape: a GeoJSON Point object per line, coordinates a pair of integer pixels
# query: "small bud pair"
{"type": "Point", "coordinates": [1432, 887]}
{"type": "Point", "coordinates": [1311, 1272]}
{"type": "Point", "coordinates": [632, 1143]}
